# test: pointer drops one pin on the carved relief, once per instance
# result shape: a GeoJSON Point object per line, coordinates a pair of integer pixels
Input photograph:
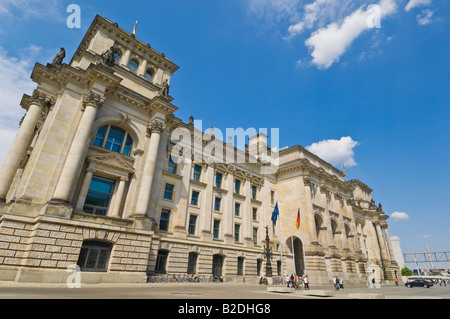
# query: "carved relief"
{"type": "Point", "coordinates": [156, 127]}
{"type": "Point", "coordinates": [93, 99]}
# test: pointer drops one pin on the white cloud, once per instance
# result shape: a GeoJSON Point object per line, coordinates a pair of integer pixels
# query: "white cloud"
{"type": "Point", "coordinates": [14, 82]}
{"type": "Point", "coordinates": [396, 216]}
{"type": "Point", "coordinates": [426, 236]}
{"type": "Point", "coordinates": [336, 152]}
{"type": "Point", "coordinates": [319, 13]}
{"type": "Point", "coordinates": [32, 8]}
{"type": "Point", "coordinates": [395, 237]}
{"type": "Point", "coordinates": [328, 44]}
{"type": "Point", "coordinates": [425, 17]}
{"type": "Point", "coordinates": [416, 3]}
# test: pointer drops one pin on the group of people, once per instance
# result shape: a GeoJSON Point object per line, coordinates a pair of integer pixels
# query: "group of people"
{"type": "Point", "coordinates": [296, 282]}
{"type": "Point", "coordinates": [338, 283]}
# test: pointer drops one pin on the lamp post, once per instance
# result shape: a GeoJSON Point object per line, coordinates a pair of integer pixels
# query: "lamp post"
{"type": "Point", "coordinates": [268, 255]}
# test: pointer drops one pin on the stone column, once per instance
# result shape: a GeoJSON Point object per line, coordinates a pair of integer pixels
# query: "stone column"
{"type": "Point", "coordinates": [126, 58]}
{"type": "Point", "coordinates": [74, 160]}
{"type": "Point", "coordinates": [39, 102]}
{"type": "Point", "coordinates": [155, 130]}
{"type": "Point", "coordinates": [142, 68]}
{"type": "Point", "coordinates": [85, 188]}
{"type": "Point", "coordinates": [381, 242]}
{"type": "Point", "coordinates": [119, 197]}
{"type": "Point", "coordinates": [388, 240]}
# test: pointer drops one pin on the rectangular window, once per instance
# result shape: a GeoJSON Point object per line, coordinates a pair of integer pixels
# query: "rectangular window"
{"type": "Point", "coordinates": [255, 236]}
{"type": "Point", "coordinates": [237, 209]}
{"type": "Point", "coordinates": [272, 197]}
{"type": "Point", "coordinates": [192, 224]}
{"type": "Point", "coordinates": [168, 191]}
{"type": "Point", "coordinates": [164, 220]}
{"type": "Point", "coordinates": [217, 202]}
{"type": "Point", "coordinates": [254, 190]}
{"type": "Point", "coordinates": [255, 213]}
{"type": "Point", "coordinates": [194, 198]}
{"type": "Point", "coordinates": [216, 229]}
{"type": "Point", "coordinates": [237, 229]}
{"type": "Point", "coordinates": [197, 173]}
{"type": "Point", "coordinates": [237, 186]}
{"type": "Point", "coordinates": [99, 196]}
{"type": "Point", "coordinates": [219, 178]}
{"type": "Point", "coordinates": [172, 166]}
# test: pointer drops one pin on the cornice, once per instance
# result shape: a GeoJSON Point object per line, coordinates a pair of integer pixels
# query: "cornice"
{"type": "Point", "coordinates": [122, 37]}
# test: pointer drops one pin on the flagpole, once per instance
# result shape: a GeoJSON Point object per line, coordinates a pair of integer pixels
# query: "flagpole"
{"type": "Point", "coordinates": [293, 251]}
{"type": "Point", "coordinates": [281, 245]}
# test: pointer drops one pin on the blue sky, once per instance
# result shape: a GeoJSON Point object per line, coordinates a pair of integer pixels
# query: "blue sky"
{"type": "Point", "coordinates": [375, 99]}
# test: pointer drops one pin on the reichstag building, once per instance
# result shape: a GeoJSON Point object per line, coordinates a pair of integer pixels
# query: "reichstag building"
{"type": "Point", "coordinates": [95, 178]}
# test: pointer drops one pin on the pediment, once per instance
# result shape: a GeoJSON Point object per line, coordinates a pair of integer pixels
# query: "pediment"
{"type": "Point", "coordinates": [113, 160]}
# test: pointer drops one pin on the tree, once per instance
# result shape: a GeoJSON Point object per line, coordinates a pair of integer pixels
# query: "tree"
{"type": "Point", "coordinates": [406, 271]}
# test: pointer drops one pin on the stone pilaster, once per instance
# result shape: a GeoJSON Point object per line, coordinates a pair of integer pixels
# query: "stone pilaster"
{"type": "Point", "coordinates": [155, 129]}
{"type": "Point", "coordinates": [115, 211]}
{"type": "Point", "coordinates": [39, 103]}
{"type": "Point", "coordinates": [91, 103]}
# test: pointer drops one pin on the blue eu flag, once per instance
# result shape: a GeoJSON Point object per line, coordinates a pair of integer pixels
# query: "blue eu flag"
{"type": "Point", "coordinates": [275, 214]}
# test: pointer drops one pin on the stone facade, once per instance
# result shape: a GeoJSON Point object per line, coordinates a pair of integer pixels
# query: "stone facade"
{"type": "Point", "coordinates": [91, 125]}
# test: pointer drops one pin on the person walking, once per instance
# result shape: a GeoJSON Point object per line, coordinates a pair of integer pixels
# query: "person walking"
{"type": "Point", "coordinates": [287, 280]}
{"type": "Point", "coordinates": [341, 283]}
{"type": "Point", "coordinates": [306, 281]}
{"type": "Point", "coordinates": [337, 283]}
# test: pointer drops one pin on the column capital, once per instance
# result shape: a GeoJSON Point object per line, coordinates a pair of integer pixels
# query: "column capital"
{"type": "Point", "coordinates": [41, 99]}
{"type": "Point", "coordinates": [93, 99]}
{"type": "Point", "coordinates": [91, 170]}
{"type": "Point", "coordinates": [123, 178]}
{"type": "Point", "coordinates": [156, 126]}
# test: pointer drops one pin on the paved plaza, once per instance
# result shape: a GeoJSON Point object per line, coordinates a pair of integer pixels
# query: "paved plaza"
{"type": "Point", "coordinates": [198, 291]}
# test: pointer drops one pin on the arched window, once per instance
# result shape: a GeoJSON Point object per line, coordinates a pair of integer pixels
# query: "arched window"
{"type": "Point", "coordinates": [117, 56]}
{"type": "Point", "coordinates": [133, 65]}
{"type": "Point", "coordinates": [149, 75]}
{"type": "Point", "coordinates": [94, 256]}
{"type": "Point", "coordinates": [114, 139]}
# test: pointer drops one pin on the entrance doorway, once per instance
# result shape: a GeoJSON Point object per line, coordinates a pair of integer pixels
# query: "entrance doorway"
{"type": "Point", "coordinates": [298, 254]}
{"type": "Point", "coordinates": [217, 265]}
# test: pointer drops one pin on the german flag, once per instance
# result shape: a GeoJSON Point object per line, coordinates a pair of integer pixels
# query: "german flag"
{"type": "Point", "coordinates": [297, 224]}
{"type": "Point", "coordinates": [134, 30]}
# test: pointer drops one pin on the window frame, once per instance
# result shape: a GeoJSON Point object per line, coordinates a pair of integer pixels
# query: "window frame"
{"type": "Point", "coordinates": [237, 186]}
{"type": "Point", "coordinates": [149, 71]}
{"type": "Point", "coordinates": [237, 209]}
{"type": "Point", "coordinates": [93, 192]}
{"type": "Point", "coordinates": [123, 145]}
{"type": "Point", "coordinates": [216, 230]}
{"type": "Point", "coordinates": [237, 232]}
{"type": "Point", "coordinates": [87, 250]}
{"type": "Point", "coordinates": [197, 199]}
{"type": "Point", "coordinates": [166, 191]}
{"type": "Point", "coordinates": [218, 183]}
{"type": "Point", "coordinates": [196, 176]}
{"type": "Point", "coordinates": [219, 201]}
{"type": "Point", "coordinates": [172, 166]}
{"type": "Point", "coordinates": [166, 221]}
{"type": "Point", "coordinates": [133, 61]}
{"type": "Point", "coordinates": [192, 227]}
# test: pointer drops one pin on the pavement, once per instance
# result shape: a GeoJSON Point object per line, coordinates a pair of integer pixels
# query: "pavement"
{"type": "Point", "coordinates": [199, 291]}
